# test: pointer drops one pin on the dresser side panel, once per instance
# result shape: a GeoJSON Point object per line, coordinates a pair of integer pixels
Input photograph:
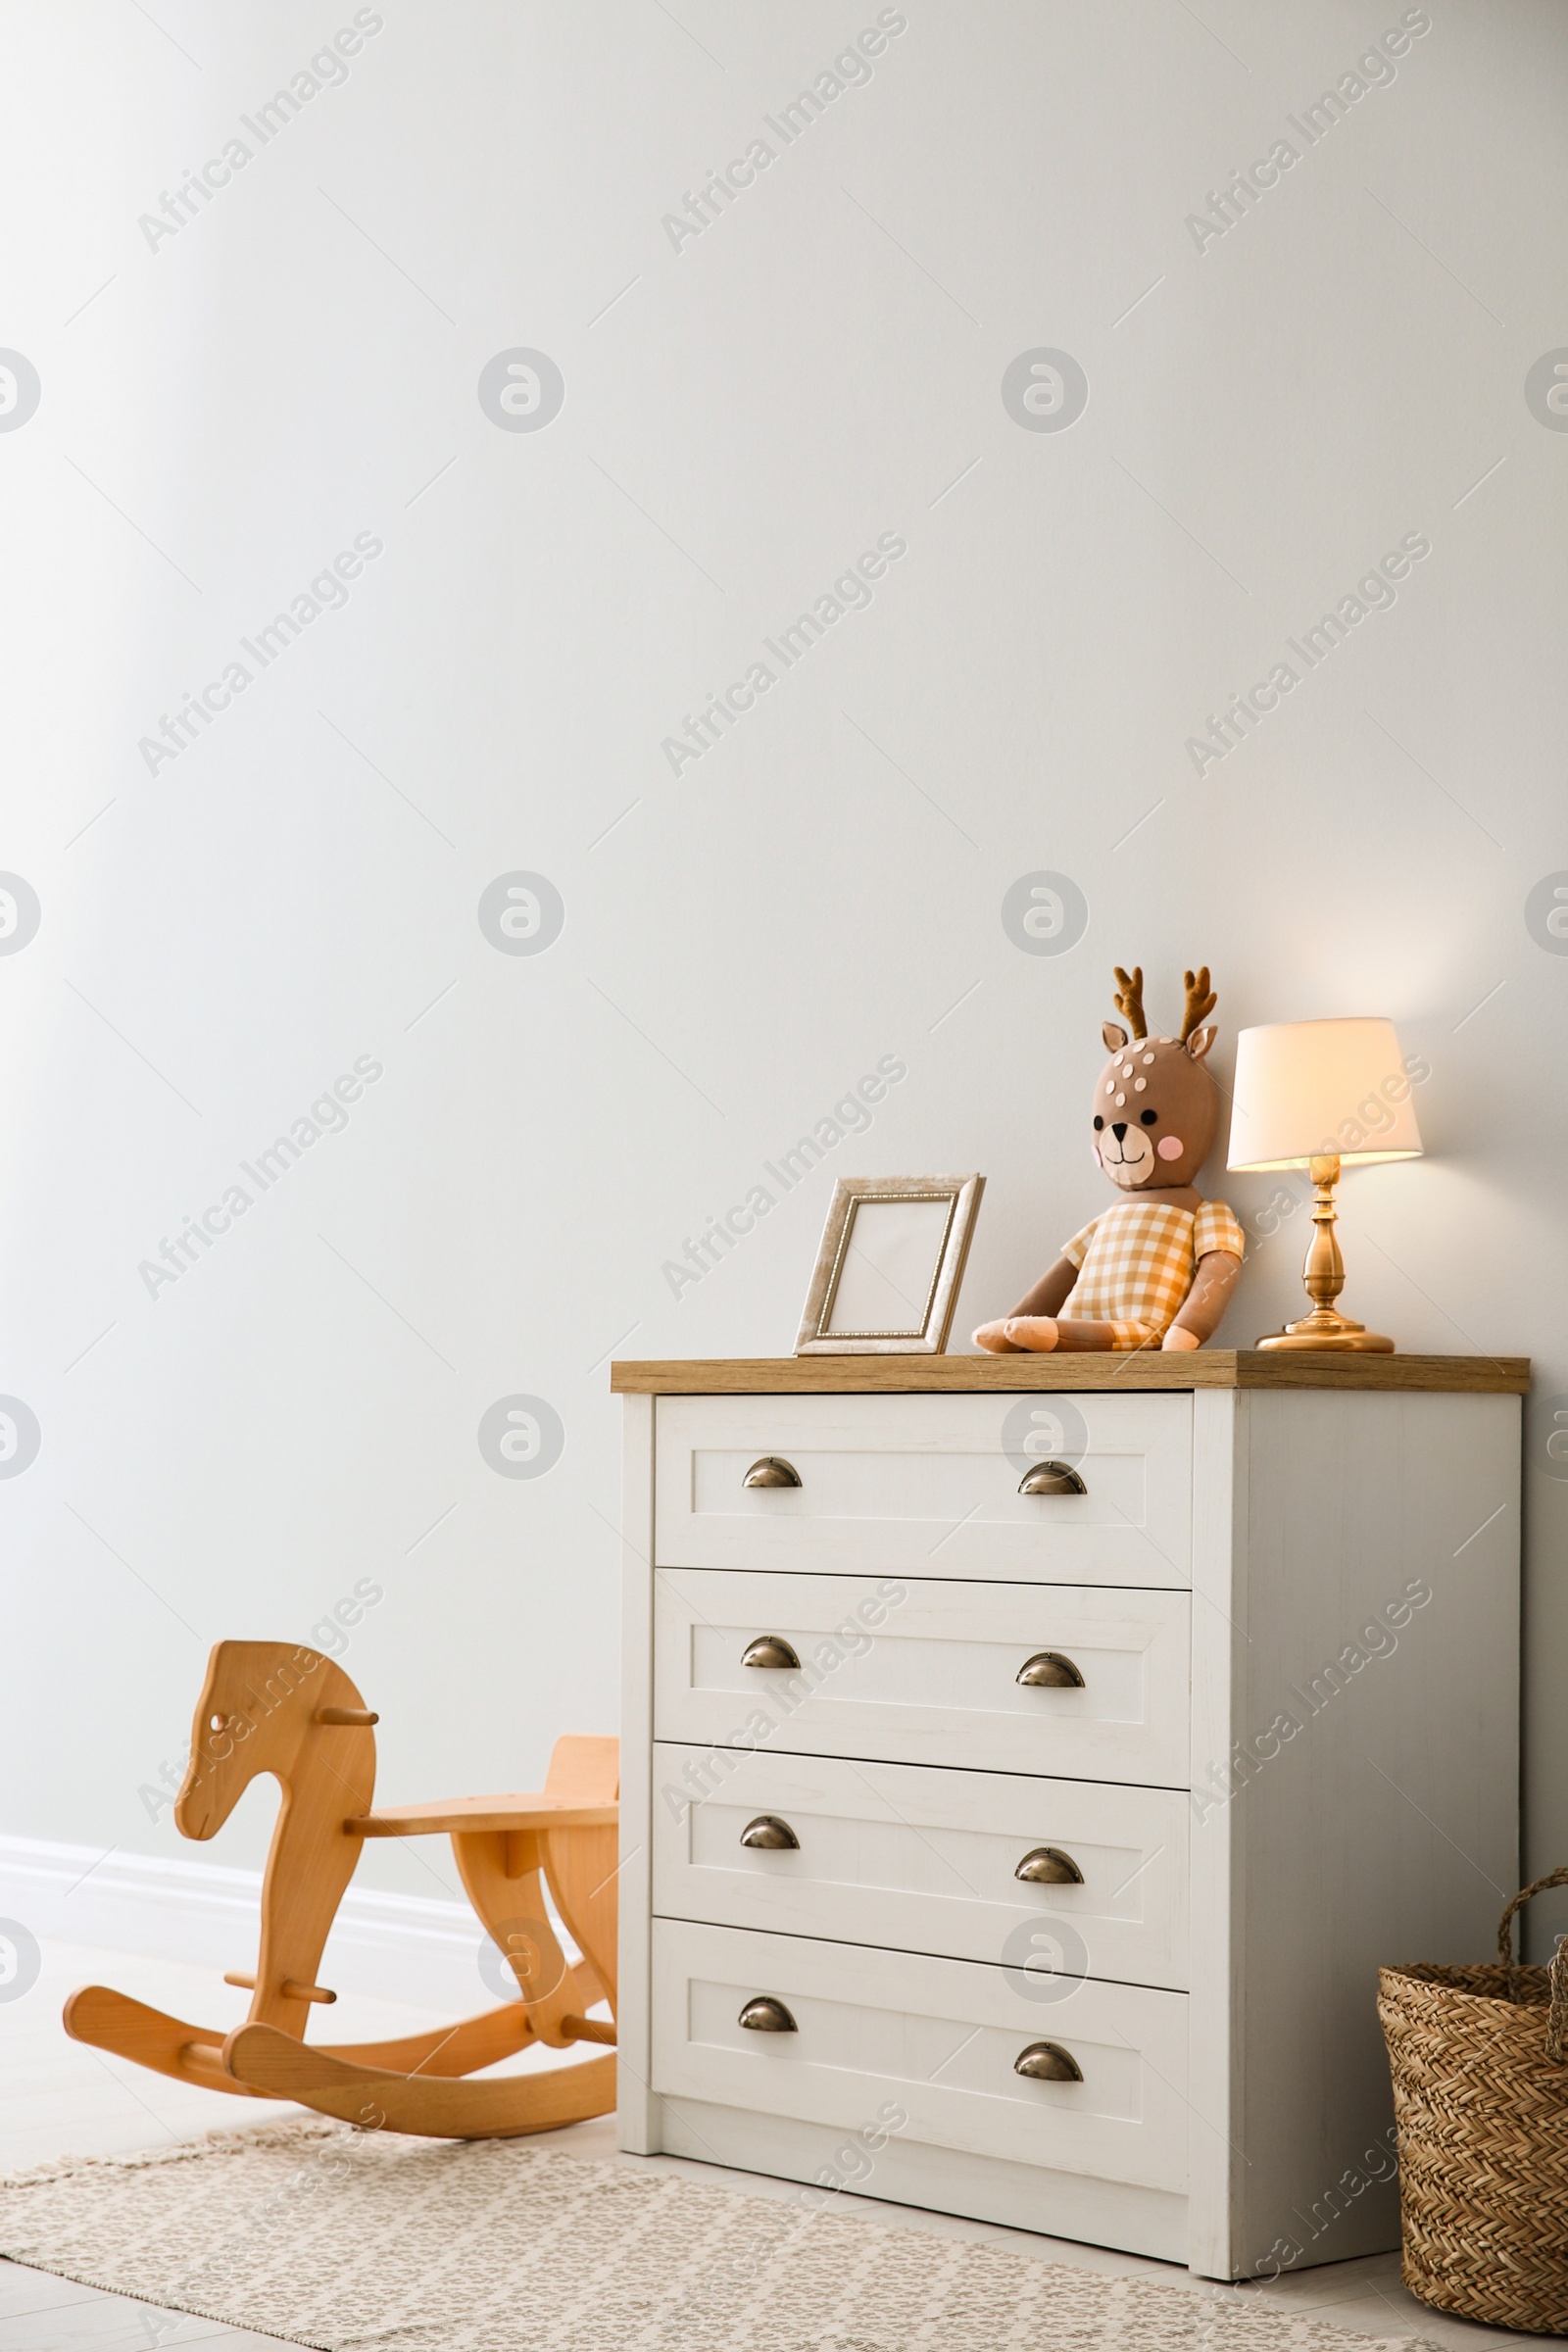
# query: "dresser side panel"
{"type": "Point", "coordinates": [1375, 1794]}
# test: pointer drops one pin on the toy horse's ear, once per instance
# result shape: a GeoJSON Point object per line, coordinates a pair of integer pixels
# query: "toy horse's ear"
{"type": "Point", "coordinates": [1115, 1035]}
{"type": "Point", "coordinates": [1199, 1043]}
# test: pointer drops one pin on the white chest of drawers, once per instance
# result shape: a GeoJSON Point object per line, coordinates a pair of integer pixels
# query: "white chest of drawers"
{"type": "Point", "coordinates": [1266, 1738]}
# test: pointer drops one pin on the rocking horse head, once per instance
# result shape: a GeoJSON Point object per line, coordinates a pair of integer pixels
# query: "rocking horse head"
{"type": "Point", "coordinates": [1156, 1106]}
{"type": "Point", "coordinates": [258, 1710]}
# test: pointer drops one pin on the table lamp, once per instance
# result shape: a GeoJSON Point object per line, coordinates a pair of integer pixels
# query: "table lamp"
{"type": "Point", "coordinates": [1318, 1095]}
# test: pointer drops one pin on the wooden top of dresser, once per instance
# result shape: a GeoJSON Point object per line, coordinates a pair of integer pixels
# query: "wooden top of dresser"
{"type": "Point", "coordinates": [1197, 1368]}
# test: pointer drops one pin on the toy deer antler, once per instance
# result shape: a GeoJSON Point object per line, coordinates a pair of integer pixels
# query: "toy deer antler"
{"type": "Point", "coordinates": [1200, 1001]}
{"type": "Point", "coordinates": [1130, 999]}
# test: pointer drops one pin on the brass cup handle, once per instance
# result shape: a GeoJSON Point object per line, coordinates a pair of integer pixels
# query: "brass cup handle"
{"type": "Point", "coordinates": [768, 1834]}
{"type": "Point", "coordinates": [1049, 1866]}
{"type": "Point", "coordinates": [1050, 1670]}
{"type": "Point", "coordinates": [772, 1470]}
{"type": "Point", "coordinates": [767, 2016]}
{"type": "Point", "coordinates": [770, 1650]}
{"type": "Point", "coordinates": [1046, 2062]}
{"type": "Point", "coordinates": [1051, 1478]}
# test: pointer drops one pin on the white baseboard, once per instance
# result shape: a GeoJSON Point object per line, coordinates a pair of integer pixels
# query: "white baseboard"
{"type": "Point", "coordinates": [403, 1948]}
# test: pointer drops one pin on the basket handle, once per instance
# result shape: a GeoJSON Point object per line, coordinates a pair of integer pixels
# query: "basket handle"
{"type": "Point", "coordinates": [1557, 2019]}
{"type": "Point", "coordinates": [1556, 1877]}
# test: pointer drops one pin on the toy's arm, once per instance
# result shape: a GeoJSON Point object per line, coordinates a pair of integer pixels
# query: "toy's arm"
{"type": "Point", "coordinates": [1049, 1293]}
{"type": "Point", "coordinates": [1047, 1298]}
{"type": "Point", "coordinates": [1205, 1302]}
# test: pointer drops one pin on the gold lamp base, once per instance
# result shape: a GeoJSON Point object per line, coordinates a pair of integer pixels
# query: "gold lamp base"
{"type": "Point", "coordinates": [1324, 1277]}
{"type": "Point", "coordinates": [1320, 1330]}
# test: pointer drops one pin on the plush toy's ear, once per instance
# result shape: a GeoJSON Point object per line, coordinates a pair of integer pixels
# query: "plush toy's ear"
{"type": "Point", "coordinates": [1115, 1035]}
{"type": "Point", "coordinates": [1199, 1043]}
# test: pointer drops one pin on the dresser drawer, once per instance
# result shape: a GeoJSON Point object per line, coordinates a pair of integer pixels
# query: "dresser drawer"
{"type": "Point", "coordinates": [935, 2041]}
{"type": "Point", "coordinates": [926, 1861]}
{"type": "Point", "coordinates": [925, 1673]}
{"type": "Point", "coordinates": [928, 1486]}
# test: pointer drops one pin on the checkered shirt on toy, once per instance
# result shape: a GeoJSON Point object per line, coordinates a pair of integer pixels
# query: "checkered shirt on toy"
{"type": "Point", "coordinates": [1136, 1264]}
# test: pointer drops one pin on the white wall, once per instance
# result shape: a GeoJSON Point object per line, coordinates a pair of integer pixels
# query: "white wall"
{"type": "Point", "coordinates": [743, 416]}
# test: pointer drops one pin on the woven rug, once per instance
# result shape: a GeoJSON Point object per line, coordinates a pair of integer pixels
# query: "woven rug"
{"type": "Point", "coordinates": [361, 2242]}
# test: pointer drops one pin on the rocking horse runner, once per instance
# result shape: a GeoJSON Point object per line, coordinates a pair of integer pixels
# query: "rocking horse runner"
{"type": "Point", "coordinates": [272, 1707]}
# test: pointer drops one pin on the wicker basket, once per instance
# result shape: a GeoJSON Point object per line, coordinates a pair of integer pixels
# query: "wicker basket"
{"type": "Point", "coordinates": [1480, 2065]}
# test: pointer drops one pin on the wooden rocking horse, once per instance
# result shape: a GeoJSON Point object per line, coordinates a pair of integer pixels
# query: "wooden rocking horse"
{"type": "Point", "coordinates": [267, 1706]}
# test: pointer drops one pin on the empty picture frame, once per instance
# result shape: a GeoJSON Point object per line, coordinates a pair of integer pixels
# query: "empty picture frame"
{"type": "Point", "coordinates": [886, 1273]}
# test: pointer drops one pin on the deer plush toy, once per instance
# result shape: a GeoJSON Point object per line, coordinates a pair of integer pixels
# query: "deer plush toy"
{"type": "Point", "coordinates": [1157, 1270]}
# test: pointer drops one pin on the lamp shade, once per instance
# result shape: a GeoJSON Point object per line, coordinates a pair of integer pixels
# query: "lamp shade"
{"type": "Point", "coordinates": [1305, 1089]}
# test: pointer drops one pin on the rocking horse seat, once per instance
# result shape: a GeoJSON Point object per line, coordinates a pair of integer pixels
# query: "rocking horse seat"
{"type": "Point", "coordinates": [461, 1815]}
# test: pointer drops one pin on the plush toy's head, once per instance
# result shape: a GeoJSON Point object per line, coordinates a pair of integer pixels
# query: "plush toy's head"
{"type": "Point", "coordinates": [1156, 1106]}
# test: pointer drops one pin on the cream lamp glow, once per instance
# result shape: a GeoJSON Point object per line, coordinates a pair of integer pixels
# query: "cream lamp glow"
{"type": "Point", "coordinates": [1319, 1094]}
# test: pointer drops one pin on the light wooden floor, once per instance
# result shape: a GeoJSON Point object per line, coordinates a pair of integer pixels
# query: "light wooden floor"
{"type": "Point", "coordinates": [59, 2098]}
